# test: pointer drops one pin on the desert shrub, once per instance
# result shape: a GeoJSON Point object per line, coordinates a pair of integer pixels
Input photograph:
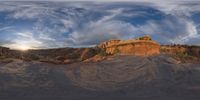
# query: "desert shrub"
{"type": "Point", "coordinates": [116, 51]}
{"type": "Point", "coordinates": [88, 53]}
{"type": "Point", "coordinates": [2, 57]}
{"type": "Point", "coordinates": [140, 38]}
{"type": "Point", "coordinates": [103, 53]}
{"type": "Point", "coordinates": [60, 58]}
{"type": "Point", "coordinates": [32, 57]}
{"type": "Point", "coordinates": [145, 38]}
{"type": "Point", "coordinates": [182, 54]}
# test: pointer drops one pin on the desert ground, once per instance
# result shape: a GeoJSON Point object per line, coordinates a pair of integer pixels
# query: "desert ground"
{"type": "Point", "coordinates": [118, 77]}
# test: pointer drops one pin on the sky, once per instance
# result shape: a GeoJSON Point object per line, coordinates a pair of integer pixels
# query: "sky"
{"type": "Point", "coordinates": [79, 23]}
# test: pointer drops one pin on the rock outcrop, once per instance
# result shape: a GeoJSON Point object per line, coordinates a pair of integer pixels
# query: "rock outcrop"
{"type": "Point", "coordinates": [143, 46]}
{"type": "Point", "coordinates": [185, 53]}
{"type": "Point", "coordinates": [174, 49]}
{"type": "Point", "coordinates": [4, 51]}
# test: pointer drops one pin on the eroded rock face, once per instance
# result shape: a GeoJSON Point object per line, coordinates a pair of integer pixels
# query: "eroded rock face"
{"type": "Point", "coordinates": [140, 47]}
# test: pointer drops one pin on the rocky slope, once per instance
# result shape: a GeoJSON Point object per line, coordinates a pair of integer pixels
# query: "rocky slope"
{"type": "Point", "coordinates": [124, 71]}
{"type": "Point", "coordinates": [117, 78]}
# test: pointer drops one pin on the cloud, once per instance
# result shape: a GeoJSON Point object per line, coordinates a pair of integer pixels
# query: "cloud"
{"type": "Point", "coordinates": [26, 10]}
{"type": "Point", "coordinates": [61, 24]}
{"type": "Point", "coordinates": [103, 29]}
{"type": "Point", "coordinates": [5, 28]}
{"type": "Point", "coordinates": [171, 30]}
{"type": "Point", "coordinates": [168, 30]}
{"type": "Point", "coordinates": [25, 35]}
{"type": "Point", "coordinates": [5, 42]}
{"type": "Point", "coordinates": [23, 39]}
{"type": "Point", "coordinates": [95, 33]}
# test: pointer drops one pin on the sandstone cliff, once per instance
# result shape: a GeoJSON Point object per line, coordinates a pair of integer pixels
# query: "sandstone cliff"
{"type": "Point", "coordinates": [143, 46]}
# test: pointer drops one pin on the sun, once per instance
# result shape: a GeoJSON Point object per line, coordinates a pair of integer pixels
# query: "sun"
{"type": "Point", "coordinates": [24, 47]}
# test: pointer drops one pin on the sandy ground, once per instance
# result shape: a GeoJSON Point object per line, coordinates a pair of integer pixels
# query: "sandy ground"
{"type": "Point", "coordinates": [118, 78]}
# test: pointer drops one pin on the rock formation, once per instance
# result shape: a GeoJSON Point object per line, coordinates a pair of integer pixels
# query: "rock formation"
{"type": "Point", "coordinates": [185, 53]}
{"type": "Point", "coordinates": [174, 49]}
{"type": "Point", "coordinates": [143, 46]}
{"type": "Point", "coordinates": [4, 51]}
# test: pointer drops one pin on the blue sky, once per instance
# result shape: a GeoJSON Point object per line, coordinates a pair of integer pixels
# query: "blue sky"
{"type": "Point", "coordinates": [50, 24]}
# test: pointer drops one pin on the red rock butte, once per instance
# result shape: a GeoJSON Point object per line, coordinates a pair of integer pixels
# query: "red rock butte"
{"type": "Point", "coordinates": [142, 46]}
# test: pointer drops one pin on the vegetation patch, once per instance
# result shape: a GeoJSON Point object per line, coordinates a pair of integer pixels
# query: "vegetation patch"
{"type": "Point", "coordinates": [2, 57]}
{"type": "Point", "coordinates": [103, 53]}
{"type": "Point", "coordinates": [116, 51]}
{"type": "Point", "coordinates": [186, 57]}
{"type": "Point", "coordinates": [182, 54]}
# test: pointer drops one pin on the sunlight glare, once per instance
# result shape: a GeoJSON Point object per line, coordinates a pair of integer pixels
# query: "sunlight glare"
{"type": "Point", "coordinates": [24, 48]}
